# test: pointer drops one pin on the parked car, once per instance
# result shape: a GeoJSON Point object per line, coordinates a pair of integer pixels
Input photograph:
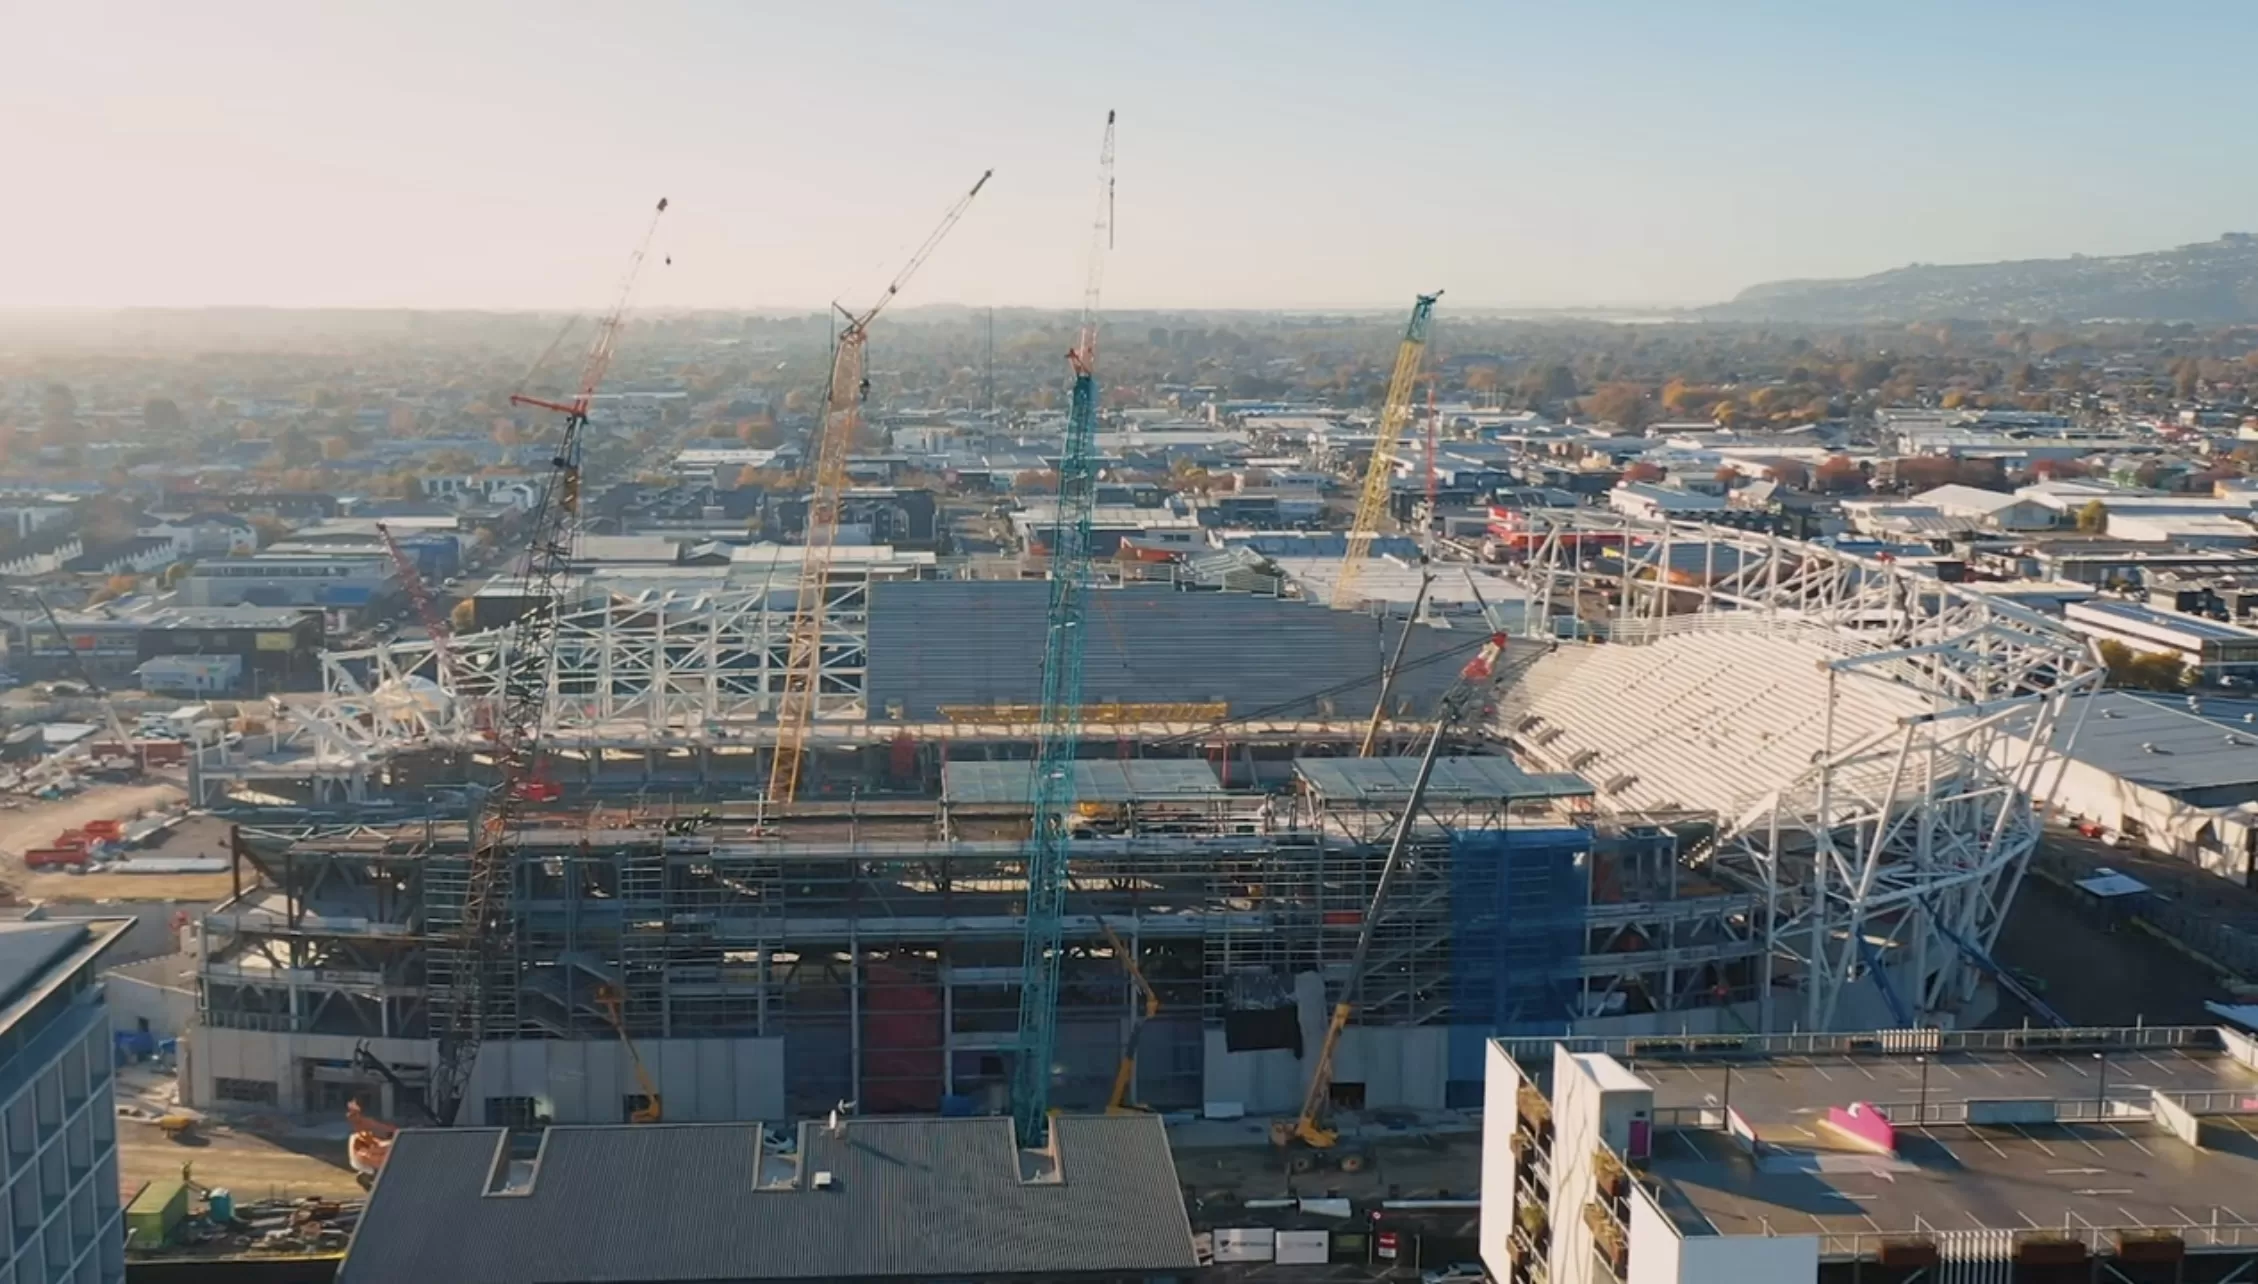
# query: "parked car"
{"type": "Point", "coordinates": [1455, 1273]}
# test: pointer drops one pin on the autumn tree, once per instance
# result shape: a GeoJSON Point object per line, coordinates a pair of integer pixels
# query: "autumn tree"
{"type": "Point", "coordinates": [464, 617]}
{"type": "Point", "coordinates": [2143, 670]}
{"type": "Point", "coordinates": [2093, 518]}
{"type": "Point", "coordinates": [1620, 403]}
{"type": "Point", "coordinates": [1641, 470]}
{"type": "Point", "coordinates": [1837, 475]}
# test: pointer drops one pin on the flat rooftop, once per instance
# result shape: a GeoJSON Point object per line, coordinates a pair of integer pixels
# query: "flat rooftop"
{"type": "Point", "coordinates": [2107, 1165]}
{"type": "Point", "coordinates": [2013, 1177]}
{"type": "Point", "coordinates": [1786, 1096]}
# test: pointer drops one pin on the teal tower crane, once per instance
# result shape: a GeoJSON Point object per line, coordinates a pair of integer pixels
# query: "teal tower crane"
{"type": "Point", "coordinates": [1061, 720]}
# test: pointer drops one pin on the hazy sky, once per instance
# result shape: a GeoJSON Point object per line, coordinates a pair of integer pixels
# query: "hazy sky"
{"type": "Point", "coordinates": [459, 153]}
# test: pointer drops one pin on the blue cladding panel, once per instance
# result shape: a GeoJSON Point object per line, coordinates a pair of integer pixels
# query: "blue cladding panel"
{"type": "Point", "coordinates": [1517, 927]}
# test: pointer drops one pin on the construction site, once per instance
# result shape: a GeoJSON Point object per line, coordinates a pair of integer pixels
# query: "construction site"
{"type": "Point", "coordinates": [861, 834]}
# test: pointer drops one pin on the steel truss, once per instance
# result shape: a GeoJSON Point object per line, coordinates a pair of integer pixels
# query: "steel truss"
{"type": "Point", "coordinates": [1886, 869]}
{"type": "Point", "coordinates": [649, 669]}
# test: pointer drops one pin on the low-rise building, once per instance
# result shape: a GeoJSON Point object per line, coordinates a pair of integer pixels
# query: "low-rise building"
{"type": "Point", "coordinates": [1661, 503]}
{"type": "Point", "coordinates": [861, 1199]}
{"type": "Point", "coordinates": [1899, 1155]}
{"type": "Point", "coordinates": [2209, 647]}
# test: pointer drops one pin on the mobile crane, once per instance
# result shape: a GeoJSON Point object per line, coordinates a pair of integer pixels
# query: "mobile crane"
{"type": "Point", "coordinates": [481, 936]}
{"type": "Point", "coordinates": [1459, 703]}
{"type": "Point", "coordinates": [834, 437]}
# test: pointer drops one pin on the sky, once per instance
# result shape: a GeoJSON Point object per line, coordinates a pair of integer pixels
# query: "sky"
{"type": "Point", "coordinates": [1304, 155]}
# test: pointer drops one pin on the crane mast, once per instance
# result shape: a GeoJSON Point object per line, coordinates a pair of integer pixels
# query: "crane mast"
{"type": "Point", "coordinates": [427, 613]}
{"type": "Point", "coordinates": [1061, 719]}
{"type": "Point", "coordinates": [842, 423]}
{"type": "Point", "coordinates": [1394, 414]}
{"type": "Point", "coordinates": [482, 938]}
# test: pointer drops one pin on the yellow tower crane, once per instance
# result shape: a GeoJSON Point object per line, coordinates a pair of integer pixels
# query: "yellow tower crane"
{"type": "Point", "coordinates": [1394, 414]}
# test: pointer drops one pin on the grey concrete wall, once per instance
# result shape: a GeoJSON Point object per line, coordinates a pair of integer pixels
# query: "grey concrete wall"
{"type": "Point", "coordinates": [577, 1081]}
{"type": "Point", "coordinates": [169, 1009]}
{"type": "Point", "coordinates": [1400, 1066]}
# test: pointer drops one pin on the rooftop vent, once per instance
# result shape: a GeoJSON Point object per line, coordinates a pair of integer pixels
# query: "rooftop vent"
{"type": "Point", "coordinates": [2108, 713]}
{"type": "Point", "coordinates": [2150, 746]}
{"type": "Point", "coordinates": [824, 1180]}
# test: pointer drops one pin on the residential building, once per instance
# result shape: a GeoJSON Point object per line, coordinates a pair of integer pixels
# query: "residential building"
{"type": "Point", "coordinates": [853, 1199]}
{"type": "Point", "coordinates": [2027, 1154]}
{"type": "Point", "coordinates": [58, 1114]}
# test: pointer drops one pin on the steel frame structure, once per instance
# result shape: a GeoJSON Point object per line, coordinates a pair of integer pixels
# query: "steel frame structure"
{"type": "Point", "coordinates": [1893, 859]}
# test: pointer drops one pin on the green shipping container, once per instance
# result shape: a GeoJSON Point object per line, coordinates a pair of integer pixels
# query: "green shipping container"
{"type": "Point", "coordinates": [151, 1217]}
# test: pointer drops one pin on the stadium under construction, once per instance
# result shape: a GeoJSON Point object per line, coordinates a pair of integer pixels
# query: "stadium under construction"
{"type": "Point", "coordinates": [1721, 783]}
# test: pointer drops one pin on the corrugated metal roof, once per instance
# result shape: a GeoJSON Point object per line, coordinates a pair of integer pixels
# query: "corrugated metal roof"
{"type": "Point", "coordinates": [926, 1198]}
{"type": "Point", "coordinates": [1471, 779]}
{"type": "Point", "coordinates": [1007, 783]}
{"type": "Point", "coordinates": [980, 642]}
{"type": "Point", "coordinates": [2159, 742]}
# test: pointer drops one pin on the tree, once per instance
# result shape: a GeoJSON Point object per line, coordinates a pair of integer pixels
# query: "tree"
{"type": "Point", "coordinates": [1641, 470]}
{"type": "Point", "coordinates": [161, 417]}
{"type": "Point", "coordinates": [1620, 403]}
{"type": "Point", "coordinates": [1791, 473]}
{"type": "Point", "coordinates": [1837, 475]}
{"type": "Point", "coordinates": [116, 586]}
{"type": "Point", "coordinates": [1548, 384]}
{"type": "Point", "coordinates": [464, 617]}
{"type": "Point", "coordinates": [2146, 670]}
{"type": "Point", "coordinates": [2093, 518]}
{"type": "Point", "coordinates": [58, 410]}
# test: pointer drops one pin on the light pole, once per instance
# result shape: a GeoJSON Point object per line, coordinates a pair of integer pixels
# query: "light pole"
{"type": "Point", "coordinates": [2101, 1087]}
{"type": "Point", "coordinates": [1921, 1113]}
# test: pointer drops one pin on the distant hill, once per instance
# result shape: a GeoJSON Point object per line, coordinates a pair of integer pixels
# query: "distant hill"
{"type": "Point", "coordinates": [2213, 282]}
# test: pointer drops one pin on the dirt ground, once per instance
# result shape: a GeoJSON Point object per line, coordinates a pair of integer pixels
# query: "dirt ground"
{"type": "Point", "coordinates": [251, 1165]}
{"type": "Point", "coordinates": [36, 824]}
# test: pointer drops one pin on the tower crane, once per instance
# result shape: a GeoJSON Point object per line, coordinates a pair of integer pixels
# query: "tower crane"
{"type": "Point", "coordinates": [419, 597]}
{"type": "Point", "coordinates": [842, 423]}
{"type": "Point", "coordinates": [1460, 702]}
{"type": "Point", "coordinates": [1060, 731]}
{"type": "Point", "coordinates": [527, 669]}
{"type": "Point", "coordinates": [1394, 414]}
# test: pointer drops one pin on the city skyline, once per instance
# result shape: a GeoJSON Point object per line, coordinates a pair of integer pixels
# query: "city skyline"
{"type": "Point", "coordinates": [501, 157]}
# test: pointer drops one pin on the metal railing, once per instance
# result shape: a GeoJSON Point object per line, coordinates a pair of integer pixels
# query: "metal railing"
{"type": "Point", "coordinates": [2101, 1241]}
{"type": "Point", "coordinates": [1537, 1052]}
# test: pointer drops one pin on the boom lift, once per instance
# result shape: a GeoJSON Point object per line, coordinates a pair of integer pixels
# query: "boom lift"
{"type": "Point", "coordinates": [1060, 734]}
{"type": "Point", "coordinates": [1394, 414]}
{"type": "Point", "coordinates": [842, 423]}
{"type": "Point", "coordinates": [1462, 700]}
{"type": "Point", "coordinates": [1125, 1074]}
{"type": "Point", "coordinates": [614, 1005]}
{"type": "Point", "coordinates": [528, 668]}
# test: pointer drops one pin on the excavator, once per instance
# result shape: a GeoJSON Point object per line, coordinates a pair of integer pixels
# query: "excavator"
{"type": "Point", "coordinates": [1125, 1075]}
{"type": "Point", "coordinates": [1310, 1128]}
{"type": "Point", "coordinates": [371, 1141]}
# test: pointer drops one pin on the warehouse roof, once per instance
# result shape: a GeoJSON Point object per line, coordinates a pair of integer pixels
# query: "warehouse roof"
{"type": "Point", "coordinates": [2165, 743]}
{"type": "Point", "coordinates": [1138, 780]}
{"type": "Point", "coordinates": [980, 642]}
{"type": "Point", "coordinates": [1476, 779]}
{"type": "Point", "coordinates": [920, 1198]}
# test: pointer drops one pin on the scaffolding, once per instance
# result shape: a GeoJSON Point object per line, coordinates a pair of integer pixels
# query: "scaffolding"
{"type": "Point", "coordinates": [885, 949]}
